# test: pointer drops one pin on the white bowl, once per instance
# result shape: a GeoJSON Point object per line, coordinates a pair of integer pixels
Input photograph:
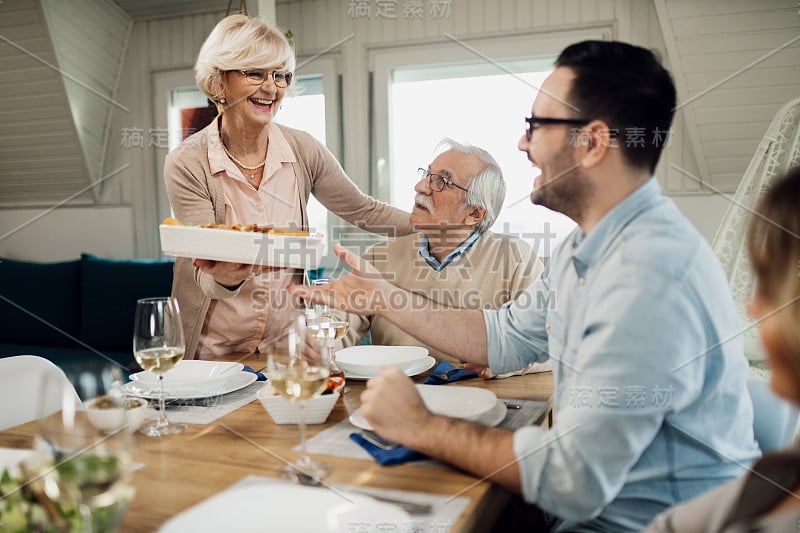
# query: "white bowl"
{"type": "Point", "coordinates": [191, 373]}
{"type": "Point", "coordinates": [468, 403]}
{"type": "Point", "coordinates": [283, 411]}
{"type": "Point", "coordinates": [131, 412]}
{"type": "Point", "coordinates": [366, 360]}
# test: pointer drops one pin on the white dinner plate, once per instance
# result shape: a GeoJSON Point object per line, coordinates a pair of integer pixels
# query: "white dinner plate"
{"type": "Point", "coordinates": [246, 247]}
{"type": "Point", "coordinates": [469, 403]}
{"type": "Point", "coordinates": [191, 373]}
{"type": "Point", "coordinates": [366, 360]}
{"type": "Point", "coordinates": [284, 507]}
{"type": "Point", "coordinates": [413, 370]}
{"type": "Point", "coordinates": [238, 380]}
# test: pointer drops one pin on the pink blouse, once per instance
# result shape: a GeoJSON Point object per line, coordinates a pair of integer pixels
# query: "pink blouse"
{"type": "Point", "coordinates": [254, 316]}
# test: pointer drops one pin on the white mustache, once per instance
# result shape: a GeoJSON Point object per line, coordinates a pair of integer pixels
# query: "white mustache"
{"type": "Point", "coordinates": [424, 201]}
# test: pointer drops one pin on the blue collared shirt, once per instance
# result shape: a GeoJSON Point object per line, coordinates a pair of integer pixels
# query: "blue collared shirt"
{"type": "Point", "coordinates": [425, 251]}
{"type": "Point", "coordinates": [650, 378]}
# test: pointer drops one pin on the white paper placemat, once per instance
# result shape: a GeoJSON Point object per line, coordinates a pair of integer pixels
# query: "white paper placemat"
{"type": "Point", "coordinates": [336, 441]}
{"type": "Point", "coordinates": [446, 508]}
{"type": "Point", "coordinates": [207, 410]}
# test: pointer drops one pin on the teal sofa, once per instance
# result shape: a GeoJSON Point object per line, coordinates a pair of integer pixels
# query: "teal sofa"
{"type": "Point", "coordinates": [78, 314]}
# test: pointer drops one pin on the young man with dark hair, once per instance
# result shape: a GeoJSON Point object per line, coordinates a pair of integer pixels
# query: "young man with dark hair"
{"type": "Point", "coordinates": [634, 311]}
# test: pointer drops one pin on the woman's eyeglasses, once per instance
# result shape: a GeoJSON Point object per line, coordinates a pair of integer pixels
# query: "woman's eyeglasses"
{"type": "Point", "coordinates": [437, 182]}
{"type": "Point", "coordinates": [533, 122]}
{"type": "Point", "coordinates": [281, 78]}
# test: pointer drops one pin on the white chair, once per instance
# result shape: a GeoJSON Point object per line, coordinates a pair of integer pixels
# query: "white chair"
{"type": "Point", "coordinates": [778, 151]}
{"type": "Point", "coordinates": [21, 379]}
{"type": "Point", "coordinates": [774, 419]}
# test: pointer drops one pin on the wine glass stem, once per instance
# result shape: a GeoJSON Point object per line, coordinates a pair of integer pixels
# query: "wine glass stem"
{"type": "Point", "coordinates": [162, 407]}
{"type": "Point", "coordinates": [303, 459]}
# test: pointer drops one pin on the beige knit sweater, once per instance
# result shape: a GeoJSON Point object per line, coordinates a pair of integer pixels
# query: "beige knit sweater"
{"type": "Point", "coordinates": [493, 271]}
{"type": "Point", "coordinates": [196, 197]}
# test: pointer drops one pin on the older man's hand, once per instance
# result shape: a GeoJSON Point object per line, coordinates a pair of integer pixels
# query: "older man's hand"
{"type": "Point", "coordinates": [363, 292]}
{"type": "Point", "coordinates": [393, 407]}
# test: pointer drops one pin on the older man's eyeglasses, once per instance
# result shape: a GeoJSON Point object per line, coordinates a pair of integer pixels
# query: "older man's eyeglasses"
{"type": "Point", "coordinates": [281, 78]}
{"type": "Point", "coordinates": [437, 182]}
{"type": "Point", "coordinates": [533, 122]}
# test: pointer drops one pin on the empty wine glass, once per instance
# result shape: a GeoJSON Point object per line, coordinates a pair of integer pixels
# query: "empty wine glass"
{"type": "Point", "coordinates": [158, 345]}
{"type": "Point", "coordinates": [327, 328]}
{"type": "Point", "coordinates": [299, 380]}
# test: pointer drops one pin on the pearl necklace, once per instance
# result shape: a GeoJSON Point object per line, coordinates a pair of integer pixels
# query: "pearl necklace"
{"type": "Point", "coordinates": [251, 169]}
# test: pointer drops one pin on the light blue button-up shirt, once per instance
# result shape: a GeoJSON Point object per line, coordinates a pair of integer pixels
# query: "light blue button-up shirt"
{"type": "Point", "coordinates": [425, 251]}
{"type": "Point", "coordinates": [650, 379]}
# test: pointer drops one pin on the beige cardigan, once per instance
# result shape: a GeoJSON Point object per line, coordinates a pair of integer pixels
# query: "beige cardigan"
{"type": "Point", "coordinates": [196, 197]}
{"type": "Point", "coordinates": [495, 269]}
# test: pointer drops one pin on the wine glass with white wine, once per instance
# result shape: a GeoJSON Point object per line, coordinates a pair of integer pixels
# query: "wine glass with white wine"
{"type": "Point", "coordinates": [299, 380]}
{"type": "Point", "coordinates": [158, 345]}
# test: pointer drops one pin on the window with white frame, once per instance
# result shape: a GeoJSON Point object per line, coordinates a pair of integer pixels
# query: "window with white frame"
{"type": "Point", "coordinates": [448, 103]}
{"type": "Point", "coordinates": [306, 111]}
{"type": "Point", "coordinates": [472, 99]}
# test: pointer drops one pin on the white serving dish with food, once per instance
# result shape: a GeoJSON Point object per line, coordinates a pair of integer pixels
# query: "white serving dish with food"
{"type": "Point", "coordinates": [274, 248]}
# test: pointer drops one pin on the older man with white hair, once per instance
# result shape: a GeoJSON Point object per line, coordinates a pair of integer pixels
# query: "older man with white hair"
{"type": "Point", "coordinates": [454, 260]}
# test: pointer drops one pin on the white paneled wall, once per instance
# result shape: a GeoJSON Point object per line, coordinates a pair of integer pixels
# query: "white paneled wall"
{"type": "Point", "coordinates": [155, 46]}
{"type": "Point", "coordinates": [736, 63]}
{"type": "Point", "coordinates": [40, 155]}
{"type": "Point", "coordinates": [318, 24]}
{"type": "Point", "coordinates": [91, 61]}
{"type": "Point", "coordinates": [703, 43]}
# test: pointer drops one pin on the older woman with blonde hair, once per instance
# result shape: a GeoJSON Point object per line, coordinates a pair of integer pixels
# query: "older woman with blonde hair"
{"type": "Point", "coordinates": [244, 168]}
{"type": "Point", "coordinates": [767, 498]}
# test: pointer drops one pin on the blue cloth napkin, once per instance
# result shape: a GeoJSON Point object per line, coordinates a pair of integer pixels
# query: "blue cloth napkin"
{"type": "Point", "coordinates": [450, 374]}
{"type": "Point", "coordinates": [396, 456]}
{"type": "Point", "coordinates": [259, 375]}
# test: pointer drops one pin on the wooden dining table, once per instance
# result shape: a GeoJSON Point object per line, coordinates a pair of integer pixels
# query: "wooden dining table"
{"type": "Point", "coordinates": [184, 469]}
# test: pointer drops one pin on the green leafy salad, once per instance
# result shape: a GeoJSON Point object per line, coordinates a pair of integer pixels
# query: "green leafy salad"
{"type": "Point", "coordinates": [51, 501]}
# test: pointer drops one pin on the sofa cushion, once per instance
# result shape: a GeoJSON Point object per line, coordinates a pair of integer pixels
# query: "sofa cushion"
{"type": "Point", "coordinates": [73, 360]}
{"type": "Point", "coordinates": [109, 290]}
{"type": "Point", "coordinates": [48, 293]}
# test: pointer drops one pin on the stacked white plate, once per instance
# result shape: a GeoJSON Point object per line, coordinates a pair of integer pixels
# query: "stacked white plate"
{"type": "Point", "coordinates": [364, 362]}
{"type": "Point", "coordinates": [468, 403]}
{"type": "Point", "coordinates": [191, 379]}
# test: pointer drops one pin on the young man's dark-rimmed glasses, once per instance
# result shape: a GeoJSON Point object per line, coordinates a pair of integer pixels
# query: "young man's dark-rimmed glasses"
{"type": "Point", "coordinates": [533, 121]}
